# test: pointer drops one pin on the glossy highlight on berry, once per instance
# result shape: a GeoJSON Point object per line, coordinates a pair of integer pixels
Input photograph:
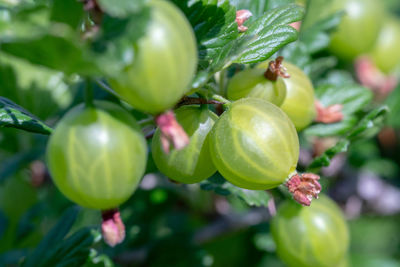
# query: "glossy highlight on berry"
{"type": "Point", "coordinates": [254, 145]}
{"type": "Point", "coordinates": [315, 236]}
{"type": "Point", "coordinates": [252, 83]}
{"type": "Point", "coordinates": [299, 101]}
{"type": "Point", "coordinates": [385, 53]}
{"type": "Point", "coordinates": [193, 163]}
{"type": "Point", "coordinates": [97, 155]}
{"type": "Point", "coordinates": [164, 64]}
{"type": "Point", "coordinates": [359, 27]}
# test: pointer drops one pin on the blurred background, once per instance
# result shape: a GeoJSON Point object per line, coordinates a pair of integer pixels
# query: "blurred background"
{"type": "Point", "coordinates": [204, 224]}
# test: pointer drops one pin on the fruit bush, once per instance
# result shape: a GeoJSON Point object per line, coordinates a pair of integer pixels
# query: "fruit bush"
{"type": "Point", "coordinates": [199, 133]}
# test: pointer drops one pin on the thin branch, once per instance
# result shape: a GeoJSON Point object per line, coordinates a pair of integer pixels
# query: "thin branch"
{"type": "Point", "coordinates": [186, 100]}
{"type": "Point", "coordinates": [149, 134]}
{"type": "Point", "coordinates": [104, 86]}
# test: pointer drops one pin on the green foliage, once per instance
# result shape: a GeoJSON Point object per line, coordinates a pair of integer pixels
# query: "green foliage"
{"type": "Point", "coordinates": [55, 249]}
{"type": "Point", "coordinates": [13, 164]}
{"type": "Point", "coordinates": [352, 97]}
{"type": "Point", "coordinates": [14, 116]}
{"type": "Point", "coordinates": [121, 8]}
{"type": "Point", "coordinates": [393, 102]}
{"type": "Point", "coordinates": [45, 51]}
{"type": "Point", "coordinates": [48, 48]}
{"type": "Point", "coordinates": [367, 127]}
{"type": "Point", "coordinates": [214, 26]}
{"type": "Point", "coordinates": [220, 43]}
{"type": "Point", "coordinates": [220, 186]}
{"type": "Point", "coordinates": [272, 33]}
{"type": "Point", "coordinates": [74, 15]}
{"type": "Point", "coordinates": [314, 37]}
{"type": "Point", "coordinates": [40, 41]}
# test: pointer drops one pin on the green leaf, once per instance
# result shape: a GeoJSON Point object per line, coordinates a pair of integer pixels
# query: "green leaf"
{"type": "Point", "coordinates": [3, 224]}
{"type": "Point", "coordinates": [337, 78]}
{"type": "Point", "coordinates": [220, 43]}
{"type": "Point", "coordinates": [313, 38]}
{"type": "Point", "coordinates": [353, 97]}
{"type": "Point", "coordinates": [14, 163]}
{"type": "Point", "coordinates": [220, 186]}
{"type": "Point", "coordinates": [319, 66]}
{"type": "Point", "coordinates": [12, 257]}
{"type": "Point", "coordinates": [40, 90]}
{"type": "Point", "coordinates": [256, 198]}
{"type": "Point", "coordinates": [121, 8]}
{"type": "Point", "coordinates": [316, 37]}
{"type": "Point", "coordinates": [60, 46]}
{"type": "Point", "coordinates": [317, 10]}
{"type": "Point", "coordinates": [14, 116]}
{"type": "Point", "coordinates": [370, 260]}
{"type": "Point", "coordinates": [113, 47]}
{"type": "Point", "coordinates": [8, 80]}
{"type": "Point", "coordinates": [214, 25]}
{"type": "Point", "coordinates": [297, 54]}
{"type": "Point", "coordinates": [368, 126]}
{"type": "Point", "coordinates": [228, 54]}
{"type": "Point", "coordinates": [53, 238]}
{"type": "Point", "coordinates": [216, 33]}
{"type": "Point", "coordinates": [393, 102]}
{"type": "Point", "coordinates": [73, 251]}
{"type": "Point", "coordinates": [272, 31]}
{"type": "Point", "coordinates": [325, 159]}
{"type": "Point", "coordinates": [67, 11]}
{"type": "Point", "coordinates": [259, 7]}
{"type": "Point", "coordinates": [54, 51]}
{"type": "Point", "coordinates": [97, 259]}
{"type": "Point", "coordinates": [256, 7]}
{"type": "Point", "coordinates": [24, 21]}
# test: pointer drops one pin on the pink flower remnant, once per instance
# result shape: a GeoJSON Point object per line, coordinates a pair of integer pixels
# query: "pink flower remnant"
{"type": "Point", "coordinates": [112, 227]}
{"type": "Point", "coordinates": [370, 76]}
{"type": "Point", "coordinates": [241, 16]}
{"type": "Point", "coordinates": [171, 132]}
{"type": "Point", "coordinates": [328, 114]}
{"type": "Point", "coordinates": [296, 25]}
{"type": "Point", "coordinates": [304, 187]}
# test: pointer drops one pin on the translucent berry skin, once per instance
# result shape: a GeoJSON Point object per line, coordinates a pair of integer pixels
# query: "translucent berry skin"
{"type": "Point", "coordinates": [359, 27]}
{"type": "Point", "coordinates": [252, 83]}
{"type": "Point", "coordinates": [385, 53]}
{"type": "Point", "coordinates": [254, 145]}
{"type": "Point", "coordinates": [193, 163]}
{"type": "Point", "coordinates": [97, 155]}
{"type": "Point", "coordinates": [164, 64]}
{"type": "Point", "coordinates": [315, 236]}
{"type": "Point", "coordinates": [299, 101]}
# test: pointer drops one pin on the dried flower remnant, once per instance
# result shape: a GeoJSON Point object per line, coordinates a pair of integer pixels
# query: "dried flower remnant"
{"type": "Point", "coordinates": [112, 227]}
{"type": "Point", "coordinates": [171, 131]}
{"type": "Point", "coordinates": [276, 69]}
{"type": "Point", "coordinates": [241, 16]}
{"type": "Point", "coordinates": [304, 187]}
{"type": "Point", "coordinates": [328, 114]}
